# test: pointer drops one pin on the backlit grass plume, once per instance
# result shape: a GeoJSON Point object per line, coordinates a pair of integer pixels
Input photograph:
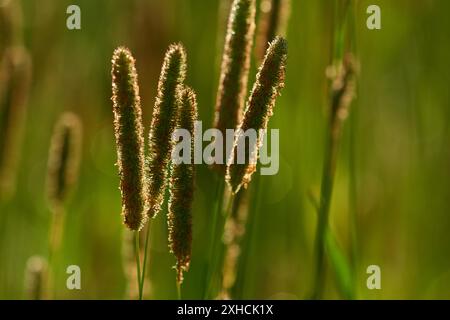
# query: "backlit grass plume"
{"type": "Point", "coordinates": [273, 19]}
{"type": "Point", "coordinates": [235, 67]}
{"type": "Point", "coordinates": [35, 278]}
{"type": "Point", "coordinates": [129, 134]}
{"type": "Point", "coordinates": [15, 79]}
{"type": "Point", "coordinates": [64, 158]}
{"type": "Point", "coordinates": [163, 124]}
{"type": "Point", "coordinates": [269, 82]}
{"type": "Point", "coordinates": [182, 189]}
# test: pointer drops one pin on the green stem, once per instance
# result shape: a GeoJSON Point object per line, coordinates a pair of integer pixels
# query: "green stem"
{"type": "Point", "coordinates": [244, 268]}
{"type": "Point", "coordinates": [324, 205]}
{"type": "Point", "coordinates": [178, 290]}
{"type": "Point", "coordinates": [214, 230]}
{"type": "Point", "coordinates": [138, 262]}
{"type": "Point", "coordinates": [144, 265]}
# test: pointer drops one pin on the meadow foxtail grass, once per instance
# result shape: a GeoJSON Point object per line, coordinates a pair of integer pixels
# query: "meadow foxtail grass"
{"type": "Point", "coordinates": [15, 80]}
{"type": "Point", "coordinates": [172, 76]}
{"type": "Point", "coordinates": [182, 189]}
{"type": "Point", "coordinates": [62, 174]}
{"type": "Point", "coordinates": [64, 159]}
{"type": "Point", "coordinates": [343, 88]}
{"type": "Point", "coordinates": [129, 134]}
{"type": "Point", "coordinates": [268, 85]}
{"type": "Point", "coordinates": [235, 68]}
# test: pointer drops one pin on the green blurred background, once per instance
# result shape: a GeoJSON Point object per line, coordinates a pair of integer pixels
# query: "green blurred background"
{"type": "Point", "coordinates": [394, 165]}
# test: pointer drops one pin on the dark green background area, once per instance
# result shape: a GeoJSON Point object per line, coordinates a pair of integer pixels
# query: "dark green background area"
{"type": "Point", "coordinates": [395, 151]}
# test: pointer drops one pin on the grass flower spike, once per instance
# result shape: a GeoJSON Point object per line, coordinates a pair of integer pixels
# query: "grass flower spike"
{"type": "Point", "coordinates": [269, 82]}
{"type": "Point", "coordinates": [15, 80]}
{"type": "Point", "coordinates": [129, 138]}
{"type": "Point", "coordinates": [182, 190]}
{"type": "Point", "coordinates": [163, 124]}
{"type": "Point", "coordinates": [235, 66]}
{"type": "Point", "coordinates": [64, 158]}
{"type": "Point", "coordinates": [35, 277]}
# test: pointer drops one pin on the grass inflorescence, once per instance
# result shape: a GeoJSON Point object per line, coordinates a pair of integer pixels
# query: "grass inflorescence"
{"type": "Point", "coordinates": [182, 189]}
{"type": "Point", "coordinates": [235, 67]}
{"type": "Point", "coordinates": [172, 76]}
{"type": "Point", "coordinates": [269, 82]}
{"type": "Point", "coordinates": [129, 138]}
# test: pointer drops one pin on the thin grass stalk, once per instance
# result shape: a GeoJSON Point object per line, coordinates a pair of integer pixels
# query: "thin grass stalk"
{"type": "Point", "coordinates": [62, 175]}
{"type": "Point", "coordinates": [244, 268]}
{"type": "Point", "coordinates": [273, 20]}
{"type": "Point", "coordinates": [343, 90]}
{"type": "Point", "coordinates": [129, 263]}
{"type": "Point", "coordinates": [352, 163]}
{"type": "Point", "coordinates": [215, 230]}
{"type": "Point", "coordinates": [235, 226]}
{"type": "Point", "coordinates": [172, 77]}
{"type": "Point", "coordinates": [138, 261]}
{"type": "Point", "coordinates": [144, 264]}
{"type": "Point", "coordinates": [218, 249]}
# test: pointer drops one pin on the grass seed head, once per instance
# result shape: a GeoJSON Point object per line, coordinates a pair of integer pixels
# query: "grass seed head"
{"type": "Point", "coordinates": [129, 134]}
{"type": "Point", "coordinates": [64, 158]}
{"type": "Point", "coordinates": [35, 277]}
{"type": "Point", "coordinates": [268, 85]}
{"type": "Point", "coordinates": [343, 86]}
{"type": "Point", "coordinates": [235, 66]}
{"type": "Point", "coordinates": [182, 190]}
{"type": "Point", "coordinates": [15, 80]}
{"type": "Point", "coordinates": [163, 124]}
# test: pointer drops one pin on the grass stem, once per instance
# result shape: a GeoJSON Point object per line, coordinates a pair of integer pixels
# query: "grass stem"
{"type": "Point", "coordinates": [144, 265]}
{"type": "Point", "coordinates": [138, 262]}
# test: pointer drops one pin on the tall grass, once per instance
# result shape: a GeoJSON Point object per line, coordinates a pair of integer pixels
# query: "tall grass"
{"type": "Point", "coordinates": [342, 74]}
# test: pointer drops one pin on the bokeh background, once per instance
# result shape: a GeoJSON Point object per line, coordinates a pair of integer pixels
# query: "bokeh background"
{"type": "Point", "coordinates": [393, 170]}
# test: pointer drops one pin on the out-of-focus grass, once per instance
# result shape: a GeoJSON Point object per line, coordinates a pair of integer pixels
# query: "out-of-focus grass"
{"type": "Point", "coordinates": [401, 133]}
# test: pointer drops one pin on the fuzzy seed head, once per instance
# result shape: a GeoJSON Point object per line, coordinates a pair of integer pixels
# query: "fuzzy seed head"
{"type": "Point", "coordinates": [129, 134]}
{"type": "Point", "coordinates": [268, 85]}
{"type": "Point", "coordinates": [15, 80]}
{"type": "Point", "coordinates": [163, 124]}
{"type": "Point", "coordinates": [35, 277]}
{"type": "Point", "coordinates": [343, 87]}
{"type": "Point", "coordinates": [64, 158]}
{"type": "Point", "coordinates": [182, 190]}
{"type": "Point", "coordinates": [235, 65]}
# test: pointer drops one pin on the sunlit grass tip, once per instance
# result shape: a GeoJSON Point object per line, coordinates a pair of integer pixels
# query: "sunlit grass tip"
{"type": "Point", "coordinates": [163, 124]}
{"type": "Point", "coordinates": [235, 66]}
{"type": "Point", "coordinates": [182, 189]}
{"type": "Point", "coordinates": [129, 134]}
{"type": "Point", "coordinates": [268, 85]}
